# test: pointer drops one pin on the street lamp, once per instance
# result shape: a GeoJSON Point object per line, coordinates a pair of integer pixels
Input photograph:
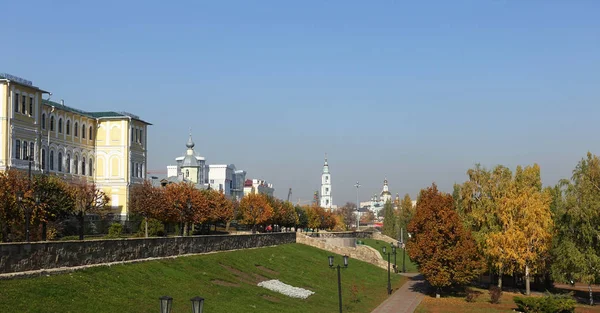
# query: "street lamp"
{"type": "Point", "coordinates": [166, 304]}
{"type": "Point", "coordinates": [197, 304]}
{"type": "Point", "coordinates": [357, 185]}
{"type": "Point", "coordinates": [389, 283]}
{"type": "Point", "coordinates": [339, 276]}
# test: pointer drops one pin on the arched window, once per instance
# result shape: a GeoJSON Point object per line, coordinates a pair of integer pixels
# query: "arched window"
{"type": "Point", "coordinates": [91, 165]}
{"type": "Point", "coordinates": [83, 131]}
{"type": "Point", "coordinates": [76, 164]}
{"type": "Point", "coordinates": [17, 149]}
{"type": "Point", "coordinates": [83, 162]}
{"type": "Point", "coordinates": [91, 133]}
{"type": "Point", "coordinates": [31, 150]}
{"type": "Point", "coordinates": [60, 125]}
{"type": "Point", "coordinates": [30, 106]}
{"type": "Point", "coordinates": [187, 173]}
{"type": "Point", "coordinates": [25, 155]}
{"type": "Point", "coordinates": [68, 163]}
{"type": "Point", "coordinates": [68, 127]}
{"type": "Point", "coordinates": [44, 160]}
{"type": "Point", "coordinates": [52, 123]}
{"type": "Point", "coordinates": [76, 129]}
{"type": "Point", "coordinates": [51, 160]}
{"type": "Point", "coordinates": [59, 161]}
{"type": "Point", "coordinates": [43, 120]}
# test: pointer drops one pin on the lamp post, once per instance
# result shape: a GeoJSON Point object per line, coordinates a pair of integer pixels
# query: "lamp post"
{"type": "Point", "coordinates": [394, 253]}
{"type": "Point", "coordinates": [389, 282]}
{"type": "Point", "coordinates": [197, 304]}
{"type": "Point", "coordinates": [166, 304]}
{"type": "Point", "coordinates": [357, 185]}
{"type": "Point", "coordinates": [339, 275]}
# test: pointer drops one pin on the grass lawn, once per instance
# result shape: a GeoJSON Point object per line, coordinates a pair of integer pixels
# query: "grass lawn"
{"type": "Point", "coordinates": [448, 304]}
{"type": "Point", "coordinates": [227, 281]}
{"type": "Point", "coordinates": [378, 244]}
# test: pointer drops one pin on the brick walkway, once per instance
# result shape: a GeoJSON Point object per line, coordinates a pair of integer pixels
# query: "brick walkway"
{"type": "Point", "coordinates": [407, 298]}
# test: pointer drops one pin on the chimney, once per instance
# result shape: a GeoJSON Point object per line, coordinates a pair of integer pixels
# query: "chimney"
{"type": "Point", "coordinates": [62, 102]}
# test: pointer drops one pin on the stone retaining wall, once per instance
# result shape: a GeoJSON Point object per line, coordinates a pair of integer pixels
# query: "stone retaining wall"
{"type": "Point", "coordinates": [346, 234]}
{"type": "Point", "coordinates": [21, 257]}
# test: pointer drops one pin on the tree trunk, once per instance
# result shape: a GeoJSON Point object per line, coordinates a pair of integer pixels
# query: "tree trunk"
{"type": "Point", "coordinates": [527, 282]}
{"type": "Point", "coordinates": [438, 292]}
{"type": "Point", "coordinates": [81, 218]}
{"type": "Point", "coordinates": [254, 229]}
{"type": "Point", "coordinates": [500, 279]}
{"type": "Point", "coordinates": [591, 295]}
{"type": "Point", "coordinates": [44, 231]}
{"type": "Point", "coordinates": [146, 226]}
{"type": "Point", "coordinates": [227, 226]}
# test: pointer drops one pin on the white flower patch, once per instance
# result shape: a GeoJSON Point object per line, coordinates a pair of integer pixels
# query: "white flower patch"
{"type": "Point", "coordinates": [290, 291]}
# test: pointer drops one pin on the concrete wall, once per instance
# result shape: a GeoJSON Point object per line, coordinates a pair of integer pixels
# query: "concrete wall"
{"type": "Point", "coordinates": [21, 257]}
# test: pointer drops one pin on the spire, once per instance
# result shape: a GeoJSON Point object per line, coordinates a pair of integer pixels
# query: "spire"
{"type": "Point", "coordinates": [326, 165]}
{"type": "Point", "coordinates": [385, 182]}
{"type": "Point", "coordinates": [190, 143]}
{"type": "Point", "coordinates": [325, 158]}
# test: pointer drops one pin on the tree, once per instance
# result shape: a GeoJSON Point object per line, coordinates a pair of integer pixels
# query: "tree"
{"type": "Point", "coordinates": [302, 217]}
{"type": "Point", "coordinates": [56, 200]}
{"type": "Point", "coordinates": [186, 205]}
{"type": "Point", "coordinates": [389, 220]}
{"type": "Point", "coordinates": [11, 213]}
{"type": "Point", "coordinates": [406, 211]}
{"type": "Point", "coordinates": [443, 249]}
{"type": "Point", "coordinates": [348, 215]}
{"type": "Point", "coordinates": [367, 218]}
{"type": "Point", "coordinates": [88, 199]}
{"type": "Point", "coordinates": [147, 201]}
{"type": "Point", "coordinates": [576, 249]}
{"type": "Point", "coordinates": [219, 209]}
{"type": "Point", "coordinates": [255, 209]}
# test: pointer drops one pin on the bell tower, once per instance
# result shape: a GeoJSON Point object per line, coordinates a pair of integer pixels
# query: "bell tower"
{"type": "Point", "coordinates": [326, 199]}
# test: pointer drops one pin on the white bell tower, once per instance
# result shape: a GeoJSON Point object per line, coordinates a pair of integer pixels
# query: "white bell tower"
{"type": "Point", "coordinates": [326, 200]}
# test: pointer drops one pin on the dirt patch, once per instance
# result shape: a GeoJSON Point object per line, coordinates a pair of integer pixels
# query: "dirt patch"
{"type": "Point", "coordinates": [266, 270]}
{"type": "Point", "coordinates": [224, 283]}
{"type": "Point", "coordinates": [244, 277]}
{"type": "Point", "coordinates": [270, 298]}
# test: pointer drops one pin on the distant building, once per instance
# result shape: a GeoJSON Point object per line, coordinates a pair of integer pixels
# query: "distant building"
{"type": "Point", "coordinates": [326, 200]}
{"type": "Point", "coordinates": [377, 202]}
{"type": "Point", "coordinates": [227, 179]}
{"type": "Point", "coordinates": [258, 186]}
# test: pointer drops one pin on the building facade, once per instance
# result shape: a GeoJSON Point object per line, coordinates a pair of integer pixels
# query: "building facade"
{"type": "Point", "coordinates": [326, 200]}
{"type": "Point", "coordinates": [106, 148]}
{"type": "Point", "coordinates": [258, 186]}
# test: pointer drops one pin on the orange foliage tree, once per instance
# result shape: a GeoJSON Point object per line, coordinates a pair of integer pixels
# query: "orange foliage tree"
{"type": "Point", "coordinates": [219, 209]}
{"type": "Point", "coordinates": [445, 252]}
{"type": "Point", "coordinates": [147, 201]}
{"type": "Point", "coordinates": [11, 213]}
{"type": "Point", "coordinates": [255, 209]}
{"type": "Point", "coordinates": [88, 199]}
{"type": "Point", "coordinates": [186, 205]}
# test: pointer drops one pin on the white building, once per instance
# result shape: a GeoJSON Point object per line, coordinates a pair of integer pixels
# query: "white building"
{"type": "Point", "coordinates": [227, 179]}
{"type": "Point", "coordinates": [378, 200]}
{"type": "Point", "coordinates": [258, 186]}
{"type": "Point", "coordinates": [326, 200]}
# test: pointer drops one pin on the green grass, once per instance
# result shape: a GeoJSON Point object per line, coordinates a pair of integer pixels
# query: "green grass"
{"type": "Point", "coordinates": [378, 244]}
{"type": "Point", "coordinates": [137, 287]}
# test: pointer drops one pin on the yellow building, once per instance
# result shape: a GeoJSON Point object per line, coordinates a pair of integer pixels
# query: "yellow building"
{"type": "Point", "coordinates": [107, 148]}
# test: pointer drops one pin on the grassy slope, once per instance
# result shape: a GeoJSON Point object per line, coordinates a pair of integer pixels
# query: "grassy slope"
{"type": "Point", "coordinates": [378, 244]}
{"type": "Point", "coordinates": [136, 287]}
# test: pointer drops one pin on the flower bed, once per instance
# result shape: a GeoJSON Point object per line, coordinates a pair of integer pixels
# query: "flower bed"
{"type": "Point", "coordinates": [290, 291]}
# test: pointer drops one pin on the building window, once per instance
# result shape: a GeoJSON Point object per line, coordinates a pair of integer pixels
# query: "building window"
{"type": "Point", "coordinates": [141, 135]}
{"type": "Point", "coordinates": [91, 133]}
{"type": "Point", "coordinates": [44, 160]}
{"type": "Point", "coordinates": [31, 150]}
{"type": "Point", "coordinates": [43, 121]}
{"type": "Point", "coordinates": [52, 123]}
{"type": "Point", "coordinates": [51, 160]}
{"type": "Point", "coordinates": [30, 105]}
{"type": "Point", "coordinates": [326, 190]}
{"type": "Point", "coordinates": [18, 149]}
{"type": "Point", "coordinates": [76, 128]}
{"type": "Point", "coordinates": [60, 161]}
{"type": "Point", "coordinates": [187, 173]}
{"type": "Point", "coordinates": [132, 169]}
{"type": "Point", "coordinates": [68, 127]}
{"type": "Point", "coordinates": [212, 181]}
{"type": "Point", "coordinates": [83, 166]}
{"type": "Point", "coordinates": [83, 131]}
{"type": "Point", "coordinates": [91, 164]}
{"type": "Point", "coordinates": [76, 165]}
{"type": "Point", "coordinates": [16, 100]}
{"type": "Point", "coordinates": [60, 125]}
{"type": "Point", "coordinates": [136, 170]}
{"type": "Point", "coordinates": [68, 163]}
{"type": "Point", "coordinates": [132, 132]}
{"type": "Point", "coordinates": [24, 105]}
{"type": "Point", "coordinates": [25, 155]}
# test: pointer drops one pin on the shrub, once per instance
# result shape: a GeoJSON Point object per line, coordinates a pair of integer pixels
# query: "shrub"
{"type": "Point", "coordinates": [156, 228]}
{"type": "Point", "coordinates": [115, 230]}
{"type": "Point", "coordinates": [495, 294]}
{"type": "Point", "coordinates": [471, 295]}
{"type": "Point", "coordinates": [547, 304]}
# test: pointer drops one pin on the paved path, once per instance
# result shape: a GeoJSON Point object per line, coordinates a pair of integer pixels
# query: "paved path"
{"type": "Point", "coordinates": [407, 298]}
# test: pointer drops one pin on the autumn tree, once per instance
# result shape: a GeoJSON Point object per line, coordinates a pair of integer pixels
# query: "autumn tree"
{"type": "Point", "coordinates": [389, 220]}
{"type": "Point", "coordinates": [255, 209]}
{"type": "Point", "coordinates": [219, 209]}
{"type": "Point", "coordinates": [11, 213]}
{"type": "Point", "coordinates": [56, 200]}
{"type": "Point", "coordinates": [576, 249]}
{"type": "Point", "coordinates": [285, 215]}
{"type": "Point", "coordinates": [367, 218]}
{"type": "Point", "coordinates": [88, 199]}
{"type": "Point", "coordinates": [185, 206]}
{"type": "Point", "coordinates": [406, 211]}
{"type": "Point", "coordinates": [443, 249]}
{"type": "Point", "coordinates": [302, 217]}
{"type": "Point", "coordinates": [348, 215]}
{"type": "Point", "coordinates": [147, 201]}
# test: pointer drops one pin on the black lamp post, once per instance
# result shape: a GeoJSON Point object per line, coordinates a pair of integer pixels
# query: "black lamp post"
{"type": "Point", "coordinates": [389, 283]}
{"type": "Point", "coordinates": [394, 253]}
{"type": "Point", "coordinates": [197, 304]}
{"type": "Point", "coordinates": [339, 276]}
{"type": "Point", "coordinates": [166, 304]}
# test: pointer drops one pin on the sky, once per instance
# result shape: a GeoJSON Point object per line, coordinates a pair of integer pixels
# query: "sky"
{"type": "Point", "coordinates": [415, 92]}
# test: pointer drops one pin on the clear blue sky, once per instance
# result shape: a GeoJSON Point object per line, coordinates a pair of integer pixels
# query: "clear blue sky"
{"type": "Point", "coordinates": [415, 92]}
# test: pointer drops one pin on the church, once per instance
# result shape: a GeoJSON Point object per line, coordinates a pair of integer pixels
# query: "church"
{"type": "Point", "coordinates": [326, 200]}
{"type": "Point", "coordinates": [377, 201]}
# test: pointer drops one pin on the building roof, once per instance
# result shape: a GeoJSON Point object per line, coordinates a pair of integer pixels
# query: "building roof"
{"type": "Point", "coordinates": [94, 115]}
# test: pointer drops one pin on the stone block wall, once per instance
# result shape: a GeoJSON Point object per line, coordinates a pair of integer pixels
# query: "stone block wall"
{"type": "Point", "coordinates": [346, 234]}
{"type": "Point", "coordinates": [22, 257]}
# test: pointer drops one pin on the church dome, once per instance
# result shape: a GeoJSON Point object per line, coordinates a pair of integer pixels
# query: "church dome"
{"type": "Point", "coordinates": [190, 161]}
{"type": "Point", "coordinates": [190, 143]}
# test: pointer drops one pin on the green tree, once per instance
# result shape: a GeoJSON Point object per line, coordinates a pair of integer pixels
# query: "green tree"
{"type": "Point", "coordinates": [389, 220]}
{"type": "Point", "coordinates": [576, 248]}
{"type": "Point", "coordinates": [406, 211]}
{"type": "Point", "coordinates": [440, 245]}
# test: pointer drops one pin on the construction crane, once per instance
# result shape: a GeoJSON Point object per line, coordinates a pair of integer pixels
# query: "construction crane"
{"type": "Point", "coordinates": [289, 195]}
